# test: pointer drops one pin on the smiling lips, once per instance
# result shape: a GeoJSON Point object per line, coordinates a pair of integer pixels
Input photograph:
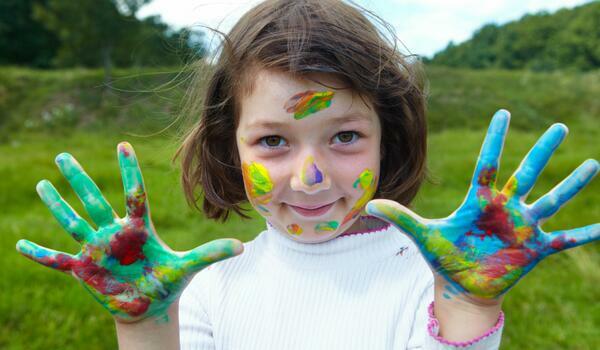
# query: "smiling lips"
{"type": "Point", "coordinates": [314, 211]}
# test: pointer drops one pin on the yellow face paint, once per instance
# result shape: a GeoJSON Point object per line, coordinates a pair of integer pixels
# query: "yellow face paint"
{"type": "Point", "coordinates": [367, 182]}
{"type": "Point", "coordinates": [257, 181]}
{"type": "Point", "coordinates": [294, 229]}
{"type": "Point", "coordinates": [308, 102]}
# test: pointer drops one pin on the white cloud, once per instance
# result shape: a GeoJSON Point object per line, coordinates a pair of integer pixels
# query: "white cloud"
{"type": "Point", "coordinates": [424, 26]}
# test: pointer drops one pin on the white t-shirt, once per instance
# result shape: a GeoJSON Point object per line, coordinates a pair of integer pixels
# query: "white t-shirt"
{"type": "Point", "coordinates": [367, 290]}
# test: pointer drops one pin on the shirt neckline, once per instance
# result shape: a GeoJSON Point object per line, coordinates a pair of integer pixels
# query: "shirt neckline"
{"type": "Point", "coordinates": [349, 250]}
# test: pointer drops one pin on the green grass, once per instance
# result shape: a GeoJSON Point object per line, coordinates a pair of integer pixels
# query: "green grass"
{"type": "Point", "coordinates": [43, 113]}
{"type": "Point", "coordinates": [146, 101]}
{"type": "Point", "coordinates": [554, 307]}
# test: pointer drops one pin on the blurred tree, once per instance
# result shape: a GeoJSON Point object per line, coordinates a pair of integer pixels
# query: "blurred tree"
{"type": "Point", "coordinates": [88, 30]}
{"type": "Point", "coordinates": [107, 33]}
{"type": "Point", "coordinates": [22, 39]}
{"type": "Point", "coordinates": [567, 39]}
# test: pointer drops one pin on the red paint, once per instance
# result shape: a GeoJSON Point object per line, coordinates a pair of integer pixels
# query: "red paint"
{"type": "Point", "coordinates": [59, 261]}
{"type": "Point", "coordinates": [496, 220]}
{"type": "Point", "coordinates": [293, 103]}
{"type": "Point", "coordinates": [134, 308]}
{"type": "Point", "coordinates": [136, 203]}
{"type": "Point", "coordinates": [486, 176]}
{"type": "Point", "coordinates": [494, 266]}
{"type": "Point", "coordinates": [560, 244]}
{"type": "Point", "coordinates": [101, 280]}
{"type": "Point", "coordinates": [98, 277]}
{"type": "Point", "coordinates": [127, 246]}
{"type": "Point", "coordinates": [124, 150]}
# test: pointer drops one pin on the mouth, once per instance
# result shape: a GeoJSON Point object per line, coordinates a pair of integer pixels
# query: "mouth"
{"type": "Point", "coordinates": [313, 211]}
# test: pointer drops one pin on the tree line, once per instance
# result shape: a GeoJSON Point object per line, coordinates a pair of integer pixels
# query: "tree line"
{"type": "Point", "coordinates": [566, 39]}
{"type": "Point", "coordinates": [90, 33]}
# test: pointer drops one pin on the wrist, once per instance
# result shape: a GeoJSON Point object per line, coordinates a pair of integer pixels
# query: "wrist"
{"type": "Point", "coordinates": [462, 316]}
{"type": "Point", "coordinates": [154, 332]}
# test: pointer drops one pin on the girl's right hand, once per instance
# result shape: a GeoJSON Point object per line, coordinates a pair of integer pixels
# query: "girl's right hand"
{"type": "Point", "coordinates": [123, 263]}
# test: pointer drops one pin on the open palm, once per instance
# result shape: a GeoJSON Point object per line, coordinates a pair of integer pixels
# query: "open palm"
{"type": "Point", "coordinates": [123, 263]}
{"type": "Point", "coordinates": [494, 238]}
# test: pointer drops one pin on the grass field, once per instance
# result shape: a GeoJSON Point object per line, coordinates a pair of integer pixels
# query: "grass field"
{"type": "Point", "coordinates": [43, 113]}
{"type": "Point", "coordinates": [554, 307]}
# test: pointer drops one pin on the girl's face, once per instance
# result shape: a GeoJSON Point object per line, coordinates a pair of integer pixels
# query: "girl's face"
{"type": "Point", "coordinates": [309, 153]}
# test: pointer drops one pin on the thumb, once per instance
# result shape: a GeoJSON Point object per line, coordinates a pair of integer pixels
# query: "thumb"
{"type": "Point", "coordinates": [220, 249]}
{"type": "Point", "coordinates": [399, 216]}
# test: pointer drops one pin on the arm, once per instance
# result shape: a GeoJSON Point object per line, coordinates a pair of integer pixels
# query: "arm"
{"type": "Point", "coordinates": [425, 333]}
{"type": "Point", "coordinates": [150, 333]}
{"type": "Point", "coordinates": [454, 320]}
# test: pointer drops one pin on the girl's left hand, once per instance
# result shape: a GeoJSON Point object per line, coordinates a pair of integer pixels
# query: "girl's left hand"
{"type": "Point", "coordinates": [494, 238]}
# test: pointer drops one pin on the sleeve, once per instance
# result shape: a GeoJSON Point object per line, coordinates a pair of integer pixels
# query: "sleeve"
{"type": "Point", "coordinates": [195, 328]}
{"type": "Point", "coordinates": [425, 332]}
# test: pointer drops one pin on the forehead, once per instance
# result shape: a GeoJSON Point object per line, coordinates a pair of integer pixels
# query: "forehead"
{"type": "Point", "coordinates": [273, 92]}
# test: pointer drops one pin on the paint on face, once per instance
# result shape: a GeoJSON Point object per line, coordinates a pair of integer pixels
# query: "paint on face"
{"type": "Point", "coordinates": [324, 227]}
{"type": "Point", "coordinates": [311, 175]}
{"type": "Point", "coordinates": [308, 102]}
{"type": "Point", "coordinates": [367, 183]}
{"type": "Point", "coordinates": [263, 209]}
{"type": "Point", "coordinates": [294, 229]}
{"type": "Point", "coordinates": [257, 181]}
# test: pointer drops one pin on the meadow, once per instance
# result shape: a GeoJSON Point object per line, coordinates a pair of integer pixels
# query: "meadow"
{"type": "Point", "coordinates": [44, 113]}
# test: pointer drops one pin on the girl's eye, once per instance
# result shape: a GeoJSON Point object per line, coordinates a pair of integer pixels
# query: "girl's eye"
{"type": "Point", "coordinates": [346, 137]}
{"type": "Point", "coordinates": [272, 141]}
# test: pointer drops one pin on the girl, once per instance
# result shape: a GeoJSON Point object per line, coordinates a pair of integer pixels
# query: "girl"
{"type": "Point", "coordinates": [310, 114]}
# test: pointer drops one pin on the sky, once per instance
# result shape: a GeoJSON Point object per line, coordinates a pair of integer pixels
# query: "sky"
{"type": "Point", "coordinates": [423, 26]}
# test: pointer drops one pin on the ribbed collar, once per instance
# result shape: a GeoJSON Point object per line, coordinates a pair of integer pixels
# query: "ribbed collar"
{"type": "Point", "coordinates": [350, 250]}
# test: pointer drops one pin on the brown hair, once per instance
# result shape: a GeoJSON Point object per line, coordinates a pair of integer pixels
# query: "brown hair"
{"type": "Point", "coordinates": [302, 37]}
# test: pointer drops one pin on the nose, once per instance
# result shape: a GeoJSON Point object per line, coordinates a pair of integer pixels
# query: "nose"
{"type": "Point", "coordinates": [310, 177]}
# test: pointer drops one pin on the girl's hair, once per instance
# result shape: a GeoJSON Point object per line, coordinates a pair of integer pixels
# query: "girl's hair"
{"type": "Point", "coordinates": [301, 37]}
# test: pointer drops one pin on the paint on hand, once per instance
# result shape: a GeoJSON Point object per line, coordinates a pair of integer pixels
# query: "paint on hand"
{"type": "Point", "coordinates": [122, 264]}
{"type": "Point", "coordinates": [308, 102]}
{"type": "Point", "coordinates": [294, 229]}
{"type": "Point", "coordinates": [311, 175]}
{"type": "Point", "coordinates": [324, 227]}
{"type": "Point", "coordinates": [494, 238]}
{"type": "Point", "coordinates": [257, 181]}
{"type": "Point", "coordinates": [368, 184]}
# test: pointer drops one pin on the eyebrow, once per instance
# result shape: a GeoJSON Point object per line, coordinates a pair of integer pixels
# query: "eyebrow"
{"type": "Point", "coordinates": [356, 116]}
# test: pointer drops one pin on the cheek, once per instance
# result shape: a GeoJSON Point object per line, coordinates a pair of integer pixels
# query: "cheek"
{"type": "Point", "coordinates": [345, 172]}
{"type": "Point", "coordinates": [258, 182]}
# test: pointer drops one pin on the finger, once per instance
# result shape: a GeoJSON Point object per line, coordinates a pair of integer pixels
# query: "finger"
{"type": "Point", "coordinates": [211, 252]}
{"type": "Point", "coordinates": [63, 213]}
{"type": "Point", "coordinates": [521, 182]}
{"type": "Point", "coordinates": [552, 201]}
{"type": "Point", "coordinates": [87, 191]}
{"type": "Point", "coordinates": [133, 183]}
{"type": "Point", "coordinates": [565, 239]}
{"type": "Point", "coordinates": [399, 216]}
{"type": "Point", "coordinates": [489, 156]}
{"type": "Point", "coordinates": [47, 257]}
